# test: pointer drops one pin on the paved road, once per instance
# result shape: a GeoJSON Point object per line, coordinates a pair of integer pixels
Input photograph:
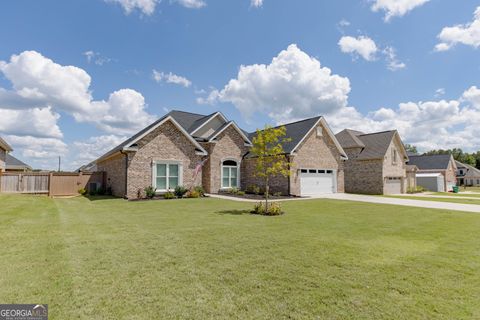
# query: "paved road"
{"type": "Point", "coordinates": [381, 200]}
{"type": "Point", "coordinates": [405, 202]}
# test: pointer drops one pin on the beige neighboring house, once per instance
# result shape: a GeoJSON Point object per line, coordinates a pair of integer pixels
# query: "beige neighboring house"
{"type": "Point", "coordinates": [467, 175]}
{"type": "Point", "coordinates": [4, 150]}
{"type": "Point", "coordinates": [191, 149]}
{"type": "Point", "coordinates": [376, 162]}
{"type": "Point", "coordinates": [442, 165]}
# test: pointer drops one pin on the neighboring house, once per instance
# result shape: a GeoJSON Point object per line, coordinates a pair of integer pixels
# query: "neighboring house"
{"type": "Point", "coordinates": [4, 150]}
{"type": "Point", "coordinates": [91, 167]}
{"type": "Point", "coordinates": [428, 165]}
{"type": "Point", "coordinates": [15, 165]}
{"type": "Point", "coordinates": [467, 175]}
{"type": "Point", "coordinates": [376, 162]}
{"type": "Point", "coordinates": [191, 149]}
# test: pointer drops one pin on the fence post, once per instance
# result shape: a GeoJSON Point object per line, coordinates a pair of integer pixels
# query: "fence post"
{"type": "Point", "coordinates": [50, 184]}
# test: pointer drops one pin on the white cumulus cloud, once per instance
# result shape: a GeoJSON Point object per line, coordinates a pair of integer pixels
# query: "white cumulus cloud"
{"type": "Point", "coordinates": [361, 46]}
{"type": "Point", "coordinates": [467, 34]}
{"type": "Point", "coordinates": [256, 3]}
{"type": "Point", "coordinates": [170, 77]}
{"type": "Point", "coordinates": [396, 8]}
{"type": "Point", "coordinates": [294, 85]}
{"type": "Point", "coordinates": [39, 82]}
{"type": "Point", "coordinates": [192, 4]}
{"type": "Point", "coordinates": [147, 7]}
{"type": "Point", "coordinates": [393, 64]}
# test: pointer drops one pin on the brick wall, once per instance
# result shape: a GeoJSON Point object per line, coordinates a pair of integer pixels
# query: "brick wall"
{"type": "Point", "coordinates": [398, 169]}
{"type": "Point", "coordinates": [364, 176]}
{"type": "Point", "coordinates": [164, 143]}
{"type": "Point", "coordinates": [316, 153]}
{"type": "Point", "coordinates": [114, 169]}
{"type": "Point", "coordinates": [277, 183]}
{"type": "Point", "coordinates": [3, 155]}
{"type": "Point", "coordinates": [229, 145]}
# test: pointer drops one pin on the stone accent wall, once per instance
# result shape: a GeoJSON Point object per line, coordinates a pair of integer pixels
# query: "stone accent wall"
{"type": "Point", "coordinates": [3, 155]}
{"type": "Point", "coordinates": [229, 145]}
{"type": "Point", "coordinates": [115, 171]}
{"type": "Point", "coordinates": [167, 143]}
{"type": "Point", "coordinates": [316, 153]}
{"type": "Point", "coordinates": [398, 169]}
{"type": "Point", "coordinates": [277, 184]}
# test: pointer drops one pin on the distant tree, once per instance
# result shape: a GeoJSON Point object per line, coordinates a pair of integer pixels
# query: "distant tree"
{"type": "Point", "coordinates": [270, 156]}
{"type": "Point", "coordinates": [411, 148]}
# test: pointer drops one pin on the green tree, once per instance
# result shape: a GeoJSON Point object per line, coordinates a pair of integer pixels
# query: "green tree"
{"type": "Point", "coordinates": [270, 157]}
{"type": "Point", "coordinates": [411, 148]}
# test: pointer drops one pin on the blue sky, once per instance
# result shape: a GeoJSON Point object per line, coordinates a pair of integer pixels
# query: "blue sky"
{"type": "Point", "coordinates": [77, 77]}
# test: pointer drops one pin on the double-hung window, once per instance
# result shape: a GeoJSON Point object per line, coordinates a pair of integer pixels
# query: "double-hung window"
{"type": "Point", "coordinates": [167, 176]}
{"type": "Point", "coordinates": [229, 174]}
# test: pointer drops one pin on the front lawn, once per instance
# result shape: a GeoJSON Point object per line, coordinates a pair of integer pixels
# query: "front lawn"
{"type": "Point", "coordinates": [461, 194]}
{"type": "Point", "coordinates": [208, 258]}
{"type": "Point", "coordinates": [450, 199]}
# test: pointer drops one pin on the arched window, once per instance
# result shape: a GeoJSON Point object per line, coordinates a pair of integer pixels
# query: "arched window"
{"type": "Point", "coordinates": [229, 174]}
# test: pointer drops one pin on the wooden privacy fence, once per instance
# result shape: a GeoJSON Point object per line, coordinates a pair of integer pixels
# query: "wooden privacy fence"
{"type": "Point", "coordinates": [53, 184]}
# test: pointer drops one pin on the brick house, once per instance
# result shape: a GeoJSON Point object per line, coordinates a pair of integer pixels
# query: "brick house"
{"type": "Point", "coordinates": [4, 150]}
{"type": "Point", "coordinates": [190, 149]}
{"type": "Point", "coordinates": [376, 162]}
{"type": "Point", "coordinates": [436, 164]}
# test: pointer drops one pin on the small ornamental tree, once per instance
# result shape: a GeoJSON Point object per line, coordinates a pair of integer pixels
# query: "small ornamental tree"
{"type": "Point", "coordinates": [270, 157]}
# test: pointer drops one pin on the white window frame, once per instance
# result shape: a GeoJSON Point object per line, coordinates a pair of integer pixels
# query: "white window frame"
{"type": "Point", "coordinates": [167, 163]}
{"type": "Point", "coordinates": [230, 168]}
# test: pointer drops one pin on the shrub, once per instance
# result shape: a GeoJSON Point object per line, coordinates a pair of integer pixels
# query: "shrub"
{"type": "Point", "coordinates": [277, 194]}
{"type": "Point", "coordinates": [253, 189]}
{"type": "Point", "coordinates": [193, 194]}
{"type": "Point", "coordinates": [169, 195]}
{"type": "Point", "coordinates": [418, 189]}
{"type": "Point", "coordinates": [274, 209]}
{"type": "Point", "coordinates": [200, 190]}
{"type": "Point", "coordinates": [82, 191]}
{"type": "Point", "coordinates": [233, 190]}
{"type": "Point", "coordinates": [180, 191]}
{"type": "Point", "coordinates": [150, 192]}
{"type": "Point", "coordinates": [241, 193]}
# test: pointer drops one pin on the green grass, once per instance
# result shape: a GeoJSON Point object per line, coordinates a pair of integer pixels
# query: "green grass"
{"type": "Point", "coordinates": [450, 194]}
{"type": "Point", "coordinates": [209, 259]}
{"type": "Point", "coordinates": [450, 199]}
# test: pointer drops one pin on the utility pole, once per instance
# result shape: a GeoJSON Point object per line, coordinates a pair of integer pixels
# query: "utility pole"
{"type": "Point", "coordinates": [59, 162]}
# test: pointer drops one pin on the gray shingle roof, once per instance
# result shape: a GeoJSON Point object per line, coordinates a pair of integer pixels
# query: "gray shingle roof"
{"type": "Point", "coordinates": [13, 163]}
{"type": "Point", "coordinates": [189, 121]}
{"type": "Point", "coordinates": [295, 131]}
{"type": "Point", "coordinates": [4, 145]}
{"type": "Point", "coordinates": [375, 145]}
{"type": "Point", "coordinates": [432, 162]}
{"type": "Point", "coordinates": [348, 139]}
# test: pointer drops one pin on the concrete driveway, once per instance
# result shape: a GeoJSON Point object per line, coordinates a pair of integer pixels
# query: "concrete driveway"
{"type": "Point", "coordinates": [404, 202]}
{"type": "Point", "coordinates": [376, 199]}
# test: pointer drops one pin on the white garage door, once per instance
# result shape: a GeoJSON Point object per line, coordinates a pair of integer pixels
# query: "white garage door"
{"type": "Point", "coordinates": [316, 182]}
{"type": "Point", "coordinates": [393, 186]}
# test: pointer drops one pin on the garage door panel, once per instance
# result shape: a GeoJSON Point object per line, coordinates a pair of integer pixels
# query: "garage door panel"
{"type": "Point", "coordinates": [312, 184]}
{"type": "Point", "coordinates": [393, 186]}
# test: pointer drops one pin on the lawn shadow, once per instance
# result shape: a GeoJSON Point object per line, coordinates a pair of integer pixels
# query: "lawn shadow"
{"type": "Point", "coordinates": [234, 212]}
{"type": "Point", "coordinates": [98, 198]}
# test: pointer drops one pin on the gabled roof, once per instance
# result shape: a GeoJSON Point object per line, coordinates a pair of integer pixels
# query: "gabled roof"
{"type": "Point", "coordinates": [299, 130]}
{"type": "Point", "coordinates": [202, 122]}
{"type": "Point", "coordinates": [348, 139]}
{"type": "Point", "coordinates": [13, 163]}
{"type": "Point", "coordinates": [375, 145]}
{"type": "Point", "coordinates": [5, 146]}
{"type": "Point", "coordinates": [431, 162]}
{"type": "Point", "coordinates": [179, 118]}
{"type": "Point", "coordinates": [471, 169]}
{"type": "Point", "coordinates": [224, 127]}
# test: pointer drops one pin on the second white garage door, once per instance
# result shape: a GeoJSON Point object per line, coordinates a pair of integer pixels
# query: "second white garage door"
{"type": "Point", "coordinates": [316, 182]}
{"type": "Point", "coordinates": [393, 186]}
